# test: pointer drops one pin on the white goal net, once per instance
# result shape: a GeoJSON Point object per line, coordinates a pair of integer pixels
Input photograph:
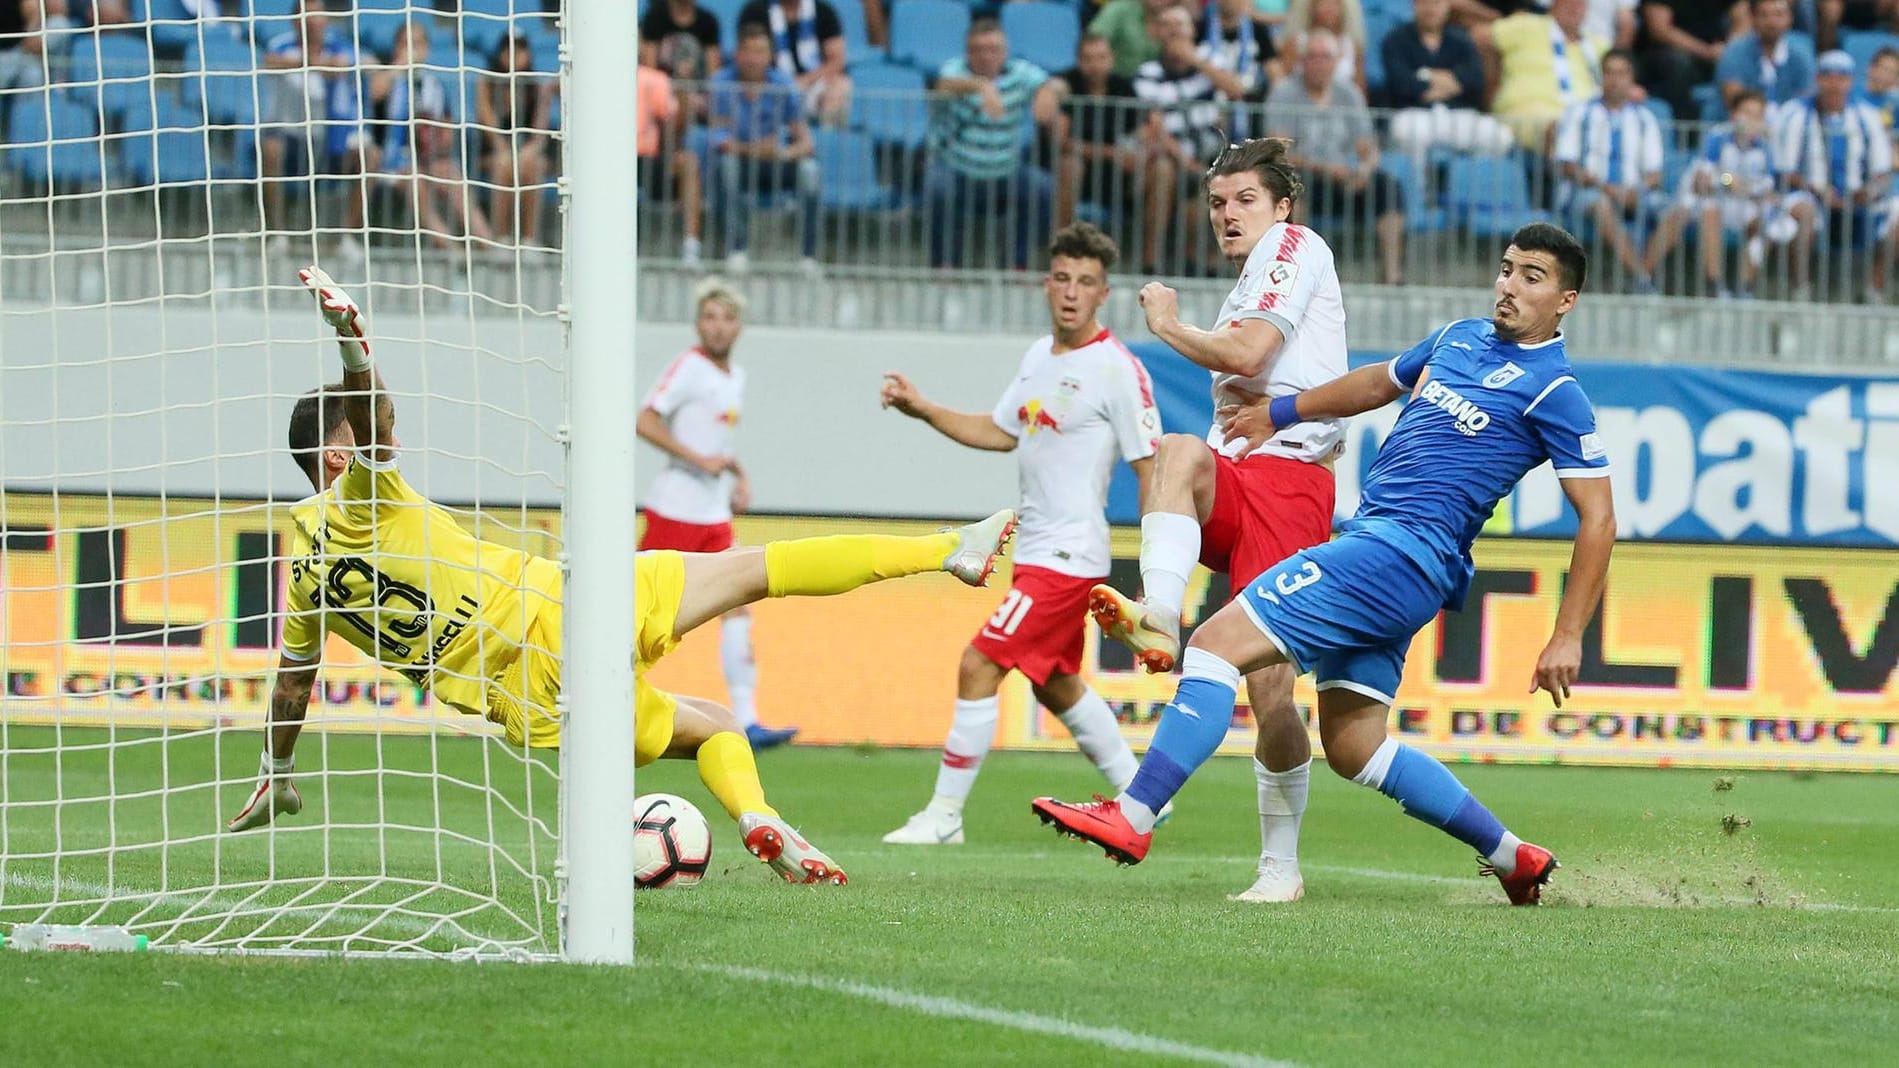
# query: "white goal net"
{"type": "Point", "coordinates": [162, 180]}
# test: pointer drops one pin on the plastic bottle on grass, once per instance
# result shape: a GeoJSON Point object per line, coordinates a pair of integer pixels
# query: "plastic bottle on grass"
{"type": "Point", "coordinates": [49, 937]}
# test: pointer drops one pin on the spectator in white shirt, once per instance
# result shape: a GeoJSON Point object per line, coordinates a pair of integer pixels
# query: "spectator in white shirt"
{"type": "Point", "coordinates": [1609, 153]}
{"type": "Point", "coordinates": [1835, 157]}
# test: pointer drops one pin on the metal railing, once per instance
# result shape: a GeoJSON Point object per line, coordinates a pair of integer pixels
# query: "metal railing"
{"type": "Point", "coordinates": [887, 191]}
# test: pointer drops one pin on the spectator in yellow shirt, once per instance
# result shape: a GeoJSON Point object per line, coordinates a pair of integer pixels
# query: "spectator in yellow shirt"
{"type": "Point", "coordinates": [1540, 65]}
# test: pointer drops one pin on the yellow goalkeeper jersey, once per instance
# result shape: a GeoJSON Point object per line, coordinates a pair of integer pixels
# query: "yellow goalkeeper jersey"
{"type": "Point", "coordinates": [401, 580]}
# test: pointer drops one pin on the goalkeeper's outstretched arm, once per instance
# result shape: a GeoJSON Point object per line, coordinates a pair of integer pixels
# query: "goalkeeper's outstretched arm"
{"type": "Point", "coordinates": [367, 404]}
{"type": "Point", "coordinates": [276, 792]}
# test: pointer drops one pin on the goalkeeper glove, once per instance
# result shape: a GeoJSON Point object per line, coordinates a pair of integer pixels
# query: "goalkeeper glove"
{"type": "Point", "coordinates": [275, 794]}
{"type": "Point", "coordinates": [342, 314]}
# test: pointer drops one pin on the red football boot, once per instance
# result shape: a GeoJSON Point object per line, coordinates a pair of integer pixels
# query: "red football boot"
{"type": "Point", "coordinates": [1525, 885]}
{"type": "Point", "coordinates": [1099, 821]}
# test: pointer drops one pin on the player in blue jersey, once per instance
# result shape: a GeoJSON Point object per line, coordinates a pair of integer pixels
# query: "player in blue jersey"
{"type": "Point", "coordinates": [1490, 399]}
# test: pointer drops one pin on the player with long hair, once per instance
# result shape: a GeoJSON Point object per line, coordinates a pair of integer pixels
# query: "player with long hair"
{"type": "Point", "coordinates": [1241, 509]}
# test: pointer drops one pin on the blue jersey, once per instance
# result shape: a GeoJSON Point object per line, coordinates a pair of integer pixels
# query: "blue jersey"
{"type": "Point", "coordinates": [1487, 412]}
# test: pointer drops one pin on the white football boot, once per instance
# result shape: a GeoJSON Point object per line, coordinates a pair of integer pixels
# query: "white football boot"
{"type": "Point", "coordinates": [932, 826]}
{"type": "Point", "coordinates": [772, 840]}
{"type": "Point", "coordinates": [1279, 882]}
{"type": "Point", "coordinates": [981, 545]}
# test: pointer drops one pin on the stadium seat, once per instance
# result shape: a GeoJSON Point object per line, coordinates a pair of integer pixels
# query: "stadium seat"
{"type": "Point", "coordinates": [727, 12]}
{"type": "Point", "coordinates": [1043, 33]}
{"type": "Point", "coordinates": [1863, 45]}
{"type": "Point", "coordinates": [224, 74]}
{"type": "Point", "coordinates": [54, 139]}
{"type": "Point", "coordinates": [888, 103]}
{"type": "Point", "coordinates": [849, 165]}
{"type": "Point", "coordinates": [1421, 214]}
{"type": "Point", "coordinates": [111, 70]}
{"type": "Point", "coordinates": [1489, 196]}
{"type": "Point", "coordinates": [928, 33]}
{"type": "Point", "coordinates": [178, 153]}
{"type": "Point", "coordinates": [857, 46]}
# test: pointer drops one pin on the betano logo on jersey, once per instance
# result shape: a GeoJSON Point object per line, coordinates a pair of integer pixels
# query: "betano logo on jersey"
{"type": "Point", "coordinates": [1470, 418]}
{"type": "Point", "coordinates": [729, 417]}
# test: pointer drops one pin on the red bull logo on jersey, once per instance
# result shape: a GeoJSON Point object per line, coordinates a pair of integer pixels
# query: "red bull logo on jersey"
{"type": "Point", "coordinates": [1470, 418]}
{"type": "Point", "coordinates": [729, 417]}
{"type": "Point", "coordinates": [1035, 418]}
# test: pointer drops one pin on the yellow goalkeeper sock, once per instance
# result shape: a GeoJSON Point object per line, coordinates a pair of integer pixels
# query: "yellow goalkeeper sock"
{"type": "Point", "coordinates": [728, 770]}
{"type": "Point", "coordinates": [819, 567]}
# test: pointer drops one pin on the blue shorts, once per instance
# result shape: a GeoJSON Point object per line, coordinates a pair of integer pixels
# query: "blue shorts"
{"type": "Point", "coordinates": [1346, 611]}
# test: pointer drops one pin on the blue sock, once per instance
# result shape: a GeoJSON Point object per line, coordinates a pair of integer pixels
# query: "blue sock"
{"type": "Point", "coordinates": [1429, 792]}
{"type": "Point", "coordinates": [1191, 728]}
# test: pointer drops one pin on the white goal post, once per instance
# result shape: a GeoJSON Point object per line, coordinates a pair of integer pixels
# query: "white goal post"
{"type": "Point", "coordinates": [466, 173]}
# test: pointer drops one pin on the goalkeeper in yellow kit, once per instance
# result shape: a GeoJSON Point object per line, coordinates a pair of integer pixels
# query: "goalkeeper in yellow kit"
{"type": "Point", "coordinates": [479, 624]}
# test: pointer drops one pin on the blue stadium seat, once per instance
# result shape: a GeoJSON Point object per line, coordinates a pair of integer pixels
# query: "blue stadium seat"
{"type": "Point", "coordinates": [849, 165]}
{"type": "Point", "coordinates": [1378, 23]}
{"type": "Point", "coordinates": [1863, 45]}
{"type": "Point", "coordinates": [888, 103]}
{"type": "Point", "coordinates": [1665, 114]}
{"type": "Point", "coordinates": [224, 74]}
{"type": "Point", "coordinates": [857, 46]}
{"type": "Point", "coordinates": [928, 33]}
{"type": "Point", "coordinates": [113, 70]}
{"type": "Point", "coordinates": [727, 12]}
{"type": "Point", "coordinates": [1489, 196]}
{"type": "Point", "coordinates": [1708, 101]}
{"type": "Point", "coordinates": [72, 156]}
{"type": "Point", "coordinates": [1043, 33]}
{"type": "Point", "coordinates": [1421, 216]}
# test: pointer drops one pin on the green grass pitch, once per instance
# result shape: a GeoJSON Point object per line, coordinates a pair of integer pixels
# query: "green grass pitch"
{"type": "Point", "coordinates": [1667, 938]}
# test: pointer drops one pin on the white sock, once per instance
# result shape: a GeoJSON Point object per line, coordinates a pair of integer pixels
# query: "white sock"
{"type": "Point", "coordinates": [1170, 547]}
{"type": "Point", "coordinates": [1097, 734]}
{"type": "Point", "coordinates": [970, 737]}
{"type": "Point", "coordinates": [270, 765]}
{"type": "Point", "coordinates": [741, 671]}
{"type": "Point", "coordinates": [1504, 857]}
{"type": "Point", "coordinates": [1282, 805]}
{"type": "Point", "coordinates": [1139, 816]}
{"type": "Point", "coordinates": [1373, 773]}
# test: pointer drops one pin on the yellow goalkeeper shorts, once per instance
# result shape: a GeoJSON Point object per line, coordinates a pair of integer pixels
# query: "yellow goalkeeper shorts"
{"type": "Point", "coordinates": [522, 697]}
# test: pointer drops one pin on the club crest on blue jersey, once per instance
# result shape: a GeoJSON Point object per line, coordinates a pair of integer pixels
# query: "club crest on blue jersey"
{"type": "Point", "coordinates": [1503, 376]}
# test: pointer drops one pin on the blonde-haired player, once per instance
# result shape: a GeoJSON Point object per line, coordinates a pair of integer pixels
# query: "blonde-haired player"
{"type": "Point", "coordinates": [691, 415]}
{"type": "Point", "coordinates": [479, 624]}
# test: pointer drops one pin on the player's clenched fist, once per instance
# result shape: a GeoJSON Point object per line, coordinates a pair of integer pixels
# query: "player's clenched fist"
{"type": "Point", "coordinates": [1161, 303]}
{"type": "Point", "coordinates": [900, 394]}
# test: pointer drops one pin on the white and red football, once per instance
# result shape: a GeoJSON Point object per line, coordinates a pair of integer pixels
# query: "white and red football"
{"type": "Point", "coordinates": [672, 843]}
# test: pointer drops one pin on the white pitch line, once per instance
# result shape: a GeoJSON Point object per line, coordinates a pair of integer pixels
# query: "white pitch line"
{"type": "Point", "coordinates": [1115, 1038]}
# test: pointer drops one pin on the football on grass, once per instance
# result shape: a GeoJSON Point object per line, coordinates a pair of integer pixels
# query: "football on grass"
{"type": "Point", "coordinates": [672, 844]}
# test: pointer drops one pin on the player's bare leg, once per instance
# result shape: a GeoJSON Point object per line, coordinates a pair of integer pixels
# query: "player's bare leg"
{"type": "Point", "coordinates": [1358, 747]}
{"type": "Point", "coordinates": [1178, 504]}
{"type": "Point", "coordinates": [708, 733]}
{"type": "Point", "coordinates": [1282, 771]}
{"type": "Point", "coordinates": [717, 583]}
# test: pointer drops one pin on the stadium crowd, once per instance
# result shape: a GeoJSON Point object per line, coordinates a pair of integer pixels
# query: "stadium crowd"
{"type": "Point", "coordinates": [1747, 131]}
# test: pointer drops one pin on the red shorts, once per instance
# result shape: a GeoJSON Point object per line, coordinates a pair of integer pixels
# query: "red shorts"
{"type": "Point", "coordinates": [1265, 508]}
{"type": "Point", "coordinates": [1039, 626]}
{"type": "Point", "coordinates": [664, 533]}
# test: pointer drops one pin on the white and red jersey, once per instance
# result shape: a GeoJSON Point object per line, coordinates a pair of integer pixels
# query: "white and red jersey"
{"type": "Point", "coordinates": [700, 402]}
{"type": "Point", "coordinates": [1291, 281]}
{"type": "Point", "coordinates": [1072, 414]}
